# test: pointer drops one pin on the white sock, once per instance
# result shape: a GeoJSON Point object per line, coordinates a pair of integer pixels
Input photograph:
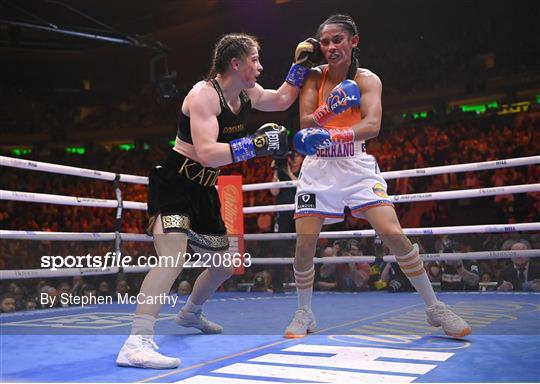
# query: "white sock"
{"type": "Point", "coordinates": [191, 307]}
{"type": "Point", "coordinates": [424, 288]}
{"type": "Point", "coordinates": [304, 297]}
{"type": "Point", "coordinates": [143, 325]}
{"type": "Point", "coordinates": [304, 286]}
{"type": "Point", "coordinates": [413, 267]}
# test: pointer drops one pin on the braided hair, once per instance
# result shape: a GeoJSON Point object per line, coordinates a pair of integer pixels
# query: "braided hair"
{"type": "Point", "coordinates": [348, 24]}
{"type": "Point", "coordinates": [232, 45]}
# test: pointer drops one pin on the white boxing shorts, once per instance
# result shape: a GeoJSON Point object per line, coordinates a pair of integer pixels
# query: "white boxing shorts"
{"type": "Point", "coordinates": [343, 175]}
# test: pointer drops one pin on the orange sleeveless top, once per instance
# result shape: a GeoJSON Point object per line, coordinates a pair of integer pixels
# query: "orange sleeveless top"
{"type": "Point", "coordinates": [343, 120]}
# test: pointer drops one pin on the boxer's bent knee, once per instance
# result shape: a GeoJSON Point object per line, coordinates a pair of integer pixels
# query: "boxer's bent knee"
{"type": "Point", "coordinates": [305, 251]}
{"type": "Point", "coordinates": [306, 244]}
{"type": "Point", "coordinates": [221, 271]}
{"type": "Point", "coordinates": [397, 241]}
{"type": "Point", "coordinates": [390, 229]}
{"type": "Point", "coordinates": [213, 245]}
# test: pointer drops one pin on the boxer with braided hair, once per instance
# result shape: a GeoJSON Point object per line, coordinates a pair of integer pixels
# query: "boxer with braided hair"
{"type": "Point", "coordinates": [338, 172]}
{"type": "Point", "coordinates": [183, 204]}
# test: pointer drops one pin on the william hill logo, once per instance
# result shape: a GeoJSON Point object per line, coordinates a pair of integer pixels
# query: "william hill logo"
{"type": "Point", "coordinates": [231, 207]}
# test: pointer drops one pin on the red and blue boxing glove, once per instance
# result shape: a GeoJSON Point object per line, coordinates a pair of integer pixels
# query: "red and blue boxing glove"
{"type": "Point", "coordinates": [344, 96]}
{"type": "Point", "coordinates": [308, 140]}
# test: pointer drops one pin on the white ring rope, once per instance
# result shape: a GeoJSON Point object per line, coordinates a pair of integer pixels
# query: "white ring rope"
{"type": "Point", "coordinates": [110, 176]}
{"type": "Point", "coordinates": [427, 196]}
{"type": "Point", "coordinates": [68, 170]}
{"type": "Point", "coordinates": [456, 230]}
{"type": "Point", "coordinates": [418, 172]}
{"type": "Point", "coordinates": [60, 272]}
{"type": "Point", "coordinates": [480, 255]}
{"type": "Point", "coordinates": [109, 236]}
{"type": "Point", "coordinates": [32, 197]}
{"type": "Point", "coordinates": [68, 272]}
{"type": "Point", "coordinates": [61, 236]}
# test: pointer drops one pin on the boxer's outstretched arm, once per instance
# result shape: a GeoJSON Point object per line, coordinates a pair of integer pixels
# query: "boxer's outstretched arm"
{"type": "Point", "coordinates": [307, 54]}
{"type": "Point", "coordinates": [269, 139]}
{"type": "Point", "coordinates": [269, 100]}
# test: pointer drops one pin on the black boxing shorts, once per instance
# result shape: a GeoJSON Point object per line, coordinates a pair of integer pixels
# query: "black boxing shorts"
{"type": "Point", "coordinates": [183, 192]}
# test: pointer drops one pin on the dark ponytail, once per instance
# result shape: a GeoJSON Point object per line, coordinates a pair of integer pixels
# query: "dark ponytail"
{"type": "Point", "coordinates": [351, 73]}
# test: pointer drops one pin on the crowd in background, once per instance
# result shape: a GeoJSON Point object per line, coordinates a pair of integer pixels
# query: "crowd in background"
{"type": "Point", "coordinates": [518, 274]}
{"type": "Point", "coordinates": [419, 146]}
{"type": "Point", "coordinates": [416, 54]}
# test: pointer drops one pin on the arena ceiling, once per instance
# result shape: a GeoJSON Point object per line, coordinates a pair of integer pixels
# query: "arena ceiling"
{"type": "Point", "coordinates": [54, 25]}
{"type": "Point", "coordinates": [41, 42]}
{"type": "Point", "coordinates": [34, 51]}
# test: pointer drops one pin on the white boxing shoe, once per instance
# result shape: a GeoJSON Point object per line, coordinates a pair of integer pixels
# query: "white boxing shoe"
{"type": "Point", "coordinates": [141, 351]}
{"type": "Point", "coordinates": [302, 324]}
{"type": "Point", "coordinates": [453, 325]}
{"type": "Point", "coordinates": [199, 321]}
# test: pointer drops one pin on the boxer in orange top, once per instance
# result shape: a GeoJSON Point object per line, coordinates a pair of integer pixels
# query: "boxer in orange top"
{"type": "Point", "coordinates": [340, 108]}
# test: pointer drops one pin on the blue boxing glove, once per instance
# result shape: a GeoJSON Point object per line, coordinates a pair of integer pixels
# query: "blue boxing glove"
{"type": "Point", "coordinates": [308, 140]}
{"type": "Point", "coordinates": [307, 55]}
{"type": "Point", "coordinates": [269, 140]}
{"type": "Point", "coordinates": [344, 96]}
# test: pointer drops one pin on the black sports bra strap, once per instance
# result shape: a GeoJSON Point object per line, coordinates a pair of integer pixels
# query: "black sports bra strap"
{"type": "Point", "coordinates": [216, 86]}
{"type": "Point", "coordinates": [244, 97]}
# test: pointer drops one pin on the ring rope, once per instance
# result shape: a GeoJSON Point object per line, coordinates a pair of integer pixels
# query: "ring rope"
{"type": "Point", "coordinates": [109, 236]}
{"type": "Point", "coordinates": [68, 272]}
{"type": "Point", "coordinates": [418, 172]}
{"type": "Point", "coordinates": [126, 178]}
{"type": "Point", "coordinates": [32, 197]}
{"type": "Point", "coordinates": [479, 255]}
{"type": "Point", "coordinates": [16, 274]}
{"type": "Point", "coordinates": [455, 230]}
{"type": "Point", "coordinates": [68, 170]}
{"type": "Point", "coordinates": [428, 196]}
{"type": "Point", "coordinates": [109, 176]}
